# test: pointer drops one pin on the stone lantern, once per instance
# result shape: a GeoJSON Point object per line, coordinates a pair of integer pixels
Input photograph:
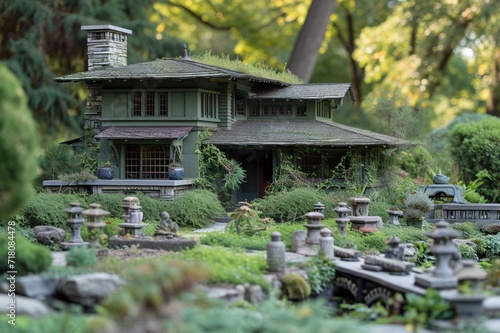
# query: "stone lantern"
{"type": "Point", "coordinates": [444, 249]}
{"type": "Point", "coordinates": [313, 227]}
{"type": "Point", "coordinates": [95, 224]}
{"type": "Point", "coordinates": [276, 253]}
{"type": "Point", "coordinates": [126, 203]}
{"type": "Point", "coordinates": [134, 225]}
{"type": "Point", "coordinates": [319, 208]}
{"type": "Point", "coordinates": [360, 205]}
{"type": "Point", "coordinates": [343, 212]}
{"type": "Point", "coordinates": [75, 222]}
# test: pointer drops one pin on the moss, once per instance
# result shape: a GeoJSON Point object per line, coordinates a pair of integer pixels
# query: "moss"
{"type": "Point", "coordinates": [295, 287]}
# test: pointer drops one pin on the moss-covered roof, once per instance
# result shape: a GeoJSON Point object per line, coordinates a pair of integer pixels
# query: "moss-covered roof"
{"type": "Point", "coordinates": [295, 132]}
{"type": "Point", "coordinates": [177, 69]}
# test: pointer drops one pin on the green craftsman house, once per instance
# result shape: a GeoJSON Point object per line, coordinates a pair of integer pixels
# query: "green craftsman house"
{"type": "Point", "coordinates": [145, 115]}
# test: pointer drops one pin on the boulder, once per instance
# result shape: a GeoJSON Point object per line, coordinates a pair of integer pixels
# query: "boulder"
{"type": "Point", "coordinates": [88, 289]}
{"type": "Point", "coordinates": [23, 306]}
{"type": "Point", "coordinates": [491, 229]}
{"type": "Point", "coordinates": [49, 235]}
{"type": "Point", "coordinates": [36, 286]}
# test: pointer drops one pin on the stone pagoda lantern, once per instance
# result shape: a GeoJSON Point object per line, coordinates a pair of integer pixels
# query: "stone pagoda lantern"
{"type": "Point", "coordinates": [95, 224]}
{"type": "Point", "coordinates": [343, 217]}
{"type": "Point", "coordinates": [444, 249]}
{"type": "Point", "coordinates": [319, 208]}
{"type": "Point", "coordinates": [314, 227]}
{"type": "Point", "coordinates": [134, 225]}
{"type": "Point", "coordinates": [126, 203]}
{"type": "Point", "coordinates": [75, 222]}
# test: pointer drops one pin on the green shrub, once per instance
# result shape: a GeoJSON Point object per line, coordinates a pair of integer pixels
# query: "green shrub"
{"type": "Point", "coordinates": [416, 161]}
{"type": "Point", "coordinates": [292, 205]}
{"type": "Point", "coordinates": [54, 323]}
{"type": "Point", "coordinates": [110, 202]}
{"type": "Point", "coordinates": [59, 159]}
{"type": "Point", "coordinates": [48, 209]}
{"type": "Point", "coordinates": [475, 147]}
{"type": "Point", "coordinates": [29, 257]}
{"type": "Point", "coordinates": [81, 256]}
{"type": "Point", "coordinates": [468, 252]}
{"type": "Point", "coordinates": [467, 229]}
{"type": "Point", "coordinates": [488, 246]}
{"type": "Point", "coordinates": [379, 208]}
{"type": "Point", "coordinates": [18, 145]}
{"type": "Point", "coordinates": [195, 209]}
{"type": "Point", "coordinates": [152, 207]}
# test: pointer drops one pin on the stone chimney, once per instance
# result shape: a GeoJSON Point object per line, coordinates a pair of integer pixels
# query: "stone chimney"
{"type": "Point", "coordinates": [106, 46]}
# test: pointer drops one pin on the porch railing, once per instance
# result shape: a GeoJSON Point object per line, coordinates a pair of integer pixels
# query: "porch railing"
{"type": "Point", "coordinates": [479, 213]}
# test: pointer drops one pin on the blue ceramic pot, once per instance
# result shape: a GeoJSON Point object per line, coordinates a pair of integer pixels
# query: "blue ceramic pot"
{"type": "Point", "coordinates": [105, 173]}
{"type": "Point", "coordinates": [176, 173]}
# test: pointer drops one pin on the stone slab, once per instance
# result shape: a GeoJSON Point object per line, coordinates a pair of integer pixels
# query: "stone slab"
{"type": "Point", "coordinates": [152, 243]}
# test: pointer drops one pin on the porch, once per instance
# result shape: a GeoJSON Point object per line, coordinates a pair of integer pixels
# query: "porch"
{"type": "Point", "coordinates": [163, 189]}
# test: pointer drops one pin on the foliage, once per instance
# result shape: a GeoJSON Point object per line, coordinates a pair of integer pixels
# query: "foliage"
{"type": "Point", "coordinates": [286, 176]}
{"type": "Point", "coordinates": [295, 287]}
{"type": "Point", "coordinates": [81, 176]}
{"type": "Point", "coordinates": [470, 189]}
{"type": "Point", "coordinates": [229, 266]}
{"type": "Point", "coordinates": [195, 209]}
{"type": "Point", "coordinates": [54, 323]}
{"type": "Point", "coordinates": [364, 312]}
{"type": "Point", "coordinates": [48, 209]}
{"type": "Point", "coordinates": [261, 70]}
{"type": "Point", "coordinates": [424, 258]}
{"type": "Point", "coordinates": [320, 272]}
{"type": "Point", "coordinates": [467, 230]}
{"type": "Point", "coordinates": [245, 220]}
{"type": "Point", "coordinates": [18, 144]}
{"type": "Point", "coordinates": [468, 252]}
{"type": "Point", "coordinates": [292, 205]}
{"type": "Point", "coordinates": [493, 278]}
{"type": "Point", "coordinates": [81, 256]}
{"type": "Point", "coordinates": [420, 311]}
{"type": "Point", "coordinates": [416, 205]}
{"type": "Point", "coordinates": [214, 166]}
{"type": "Point", "coordinates": [488, 246]}
{"type": "Point", "coordinates": [416, 161]}
{"type": "Point", "coordinates": [476, 147]}
{"type": "Point", "coordinates": [29, 257]}
{"type": "Point", "coordinates": [268, 316]}
{"type": "Point", "coordinates": [394, 194]}
{"type": "Point", "coordinates": [154, 283]}
{"type": "Point", "coordinates": [59, 159]}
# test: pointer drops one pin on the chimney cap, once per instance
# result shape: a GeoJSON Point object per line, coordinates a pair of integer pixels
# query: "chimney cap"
{"type": "Point", "coordinates": [105, 27]}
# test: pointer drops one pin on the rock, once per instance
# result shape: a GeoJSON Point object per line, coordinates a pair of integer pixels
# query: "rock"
{"type": "Point", "coordinates": [49, 235]}
{"type": "Point", "coordinates": [230, 294]}
{"type": "Point", "coordinates": [254, 293]}
{"type": "Point", "coordinates": [491, 229]}
{"type": "Point", "coordinates": [88, 289]}
{"type": "Point", "coordinates": [464, 241]}
{"type": "Point", "coordinates": [491, 307]}
{"type": "Point", "coordinates": [36, 286]}
{"type": "Point", "coordinates": [24, 306]}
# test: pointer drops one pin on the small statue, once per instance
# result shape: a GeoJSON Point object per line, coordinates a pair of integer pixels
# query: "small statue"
{"type": "Point", "coordinates": [167, 227]}
{"type": "Point", "coordinates": [395, 250]}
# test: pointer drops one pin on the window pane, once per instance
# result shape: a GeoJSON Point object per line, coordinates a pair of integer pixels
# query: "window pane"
{"type": "Point", "coordinates": [136, 104]}
{"type": "Point", "coordinates": [163, 104]}
{"type": "Point", "coordinates": [150, 104]}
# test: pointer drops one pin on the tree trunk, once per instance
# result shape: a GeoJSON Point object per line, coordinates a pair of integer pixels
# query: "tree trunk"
{"type": "Point", "coordinates": [306, 49]}
{"type": "Point", "coordinates": [493, 102]}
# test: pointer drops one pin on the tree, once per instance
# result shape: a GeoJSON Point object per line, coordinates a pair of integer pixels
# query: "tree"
{"type": "Point", "coordinates": [42, 39]}
{"type": "Point", "coordinates": [311, 36]}
{"type": "Point", "coordinates": [18, 144]}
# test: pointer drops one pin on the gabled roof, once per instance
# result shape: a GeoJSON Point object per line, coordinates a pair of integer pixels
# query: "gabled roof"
{"type": "Point", "coordinates": [179, 69]}
{"type": "Point", "coordinates": [308, 91]}
{"type": "Point", "coordinates": [288, 132]}
{"type": "Point", "coordinates": [143, 132]}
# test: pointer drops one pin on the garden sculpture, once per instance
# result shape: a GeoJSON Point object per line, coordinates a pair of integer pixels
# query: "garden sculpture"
{"type": "Point", "coordinates": [167, 227]}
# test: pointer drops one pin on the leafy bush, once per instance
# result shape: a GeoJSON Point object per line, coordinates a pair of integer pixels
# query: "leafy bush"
{"type": "Point", "coordinates": [292, 205]}
{"type": "Point", "coordinates": [195, 209]}
{"type": "Point", "coordinates": [476, 146]}
{"type": "Point", "coordinates": [468, 252]}
{"type": "Point", "coordinates": [48, 209]}
{"type": "Point", "coordinates": [81, 256]}
{"type": "Point", "coordinates": [379, 208]}
{"type": "Point", "coordinates": [488, 246]}
{"type": "Point", "coordinates": [18, 145]}
{"type": "Point", "coordinates": [416, 161]}
{"type": "Point", "coordinates": [29, 257]}
{"type": "Point", "coordinates": [467, 229]}
{"type": "Point", "coordinates": [320, 273]}
{"type": "Point", "coordinates": [59, 159]}
{"type": "Point", "coordinates": [416, 205]}
{"type": "Point", "coordinates": [110, 201]}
